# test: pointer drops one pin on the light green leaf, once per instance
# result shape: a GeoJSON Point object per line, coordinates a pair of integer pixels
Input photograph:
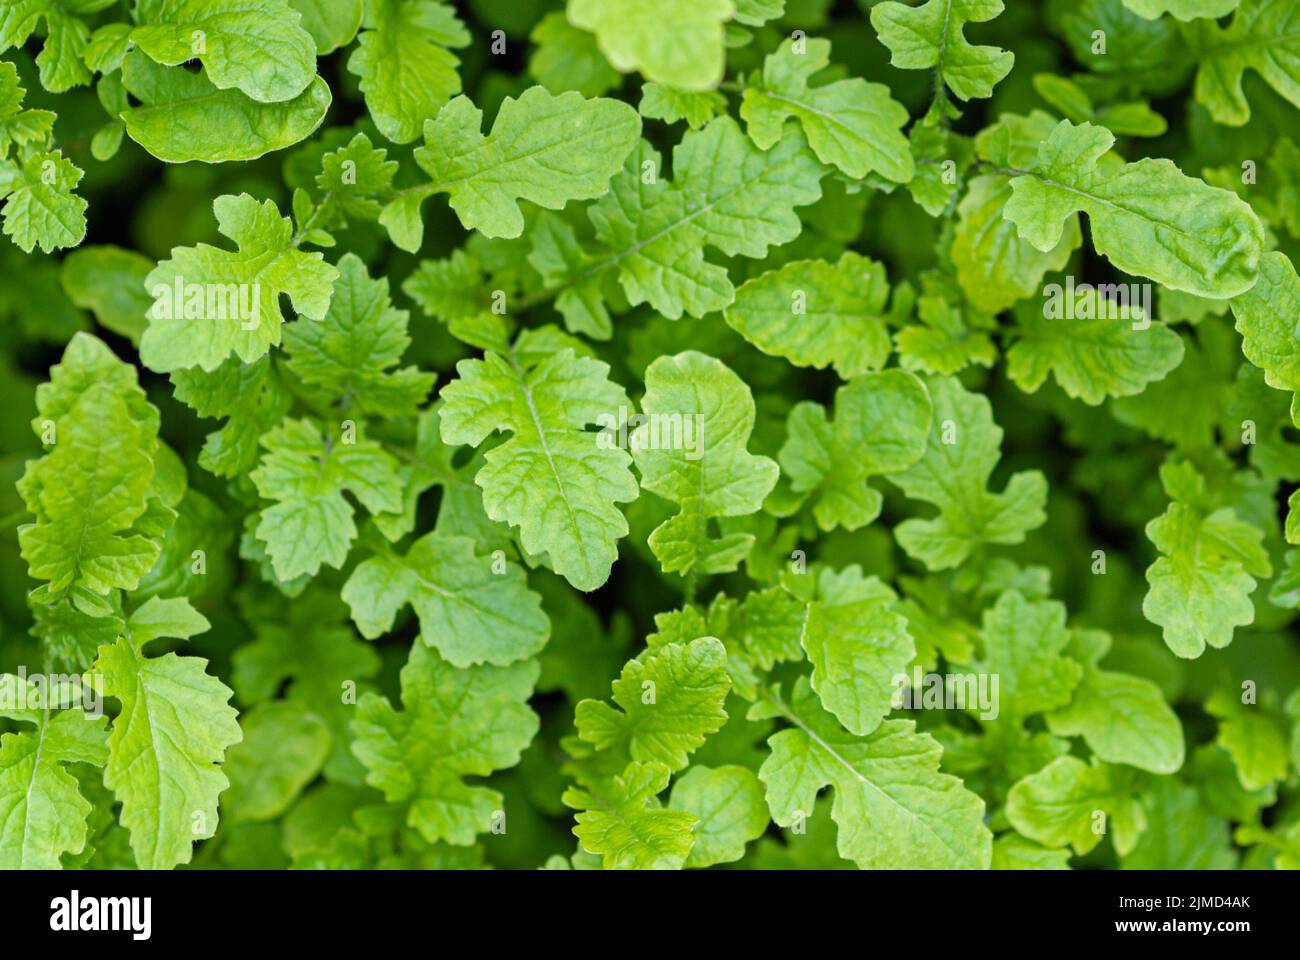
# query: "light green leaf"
{"type": "Point", "coordinates": [725, 193]}
{"type": "Point", "coordinates": [1096, 347]}
{"type": "Point", "coordinates": [692, 450]}
{"type": "Point", "coordinates": [1268, 319]}
{"type": "Point", "coordinates": [954, 474]}
{"type": "Point", "coordinates": [816, 314]}
{"type": "Point", "coordinates": [852, 125]}
{"type": "Point", "coordinates": [858, 645]}
{"type": "Point", "coordinates": [729, 804]}
{"type": "Point", "coordinates": [542, 148]}
{"type": "Point", "coordinates": [1182, 833]}
{"type": "Point", "coordinates": [183, 117]}
{"type": "Point", "coordinates": [1182, 9]}
{"type": "Point", "coordinates": [895, 810]}
{"type": "Point", "coordinates": [623, 823]}
{"type": "Point", "coordinates": [283, 749]}
{"type": "Point", "coordinates": [331, 23]}
{"type": "Point", "coordinates": [995, 267]}
{"type": "Point", "coordinates": [1262, 37]}
{"type": "Point", "coordinates": [1147, 218]}
{"type": "Point", "coordinates": [210, 302]}
{"type": "Point", "coordinates": [931, 36]}
{"type": "Point", "coordinates": [98, 519]}
{"type": "Point", "coordinates": [349, 355]}
{"type": "Point", "coordinates": [1013, 852]}
{"type": "Point", "coordinates": [671, 105]}
{"type": "Point", "coordinates": [676, 42]}
{"type": "Point", "coordinates": [552, 478]}
{"type": "Point", "coordinates": [42, 810]}
{"type": "Point", "coordinates": [310, 522]}
{"type": "Point", "coordinates": [306, 653]}
{"type": "Point", "coordinates": [881, 426]}
{"type": "Point", "coordinates": [110, 282]}
{"type": "Point", "coordinates": [670, 698]}
{"type": "Point", "coordinates": [40, 206]}
{"type": "Point", "coordinates": [1209, 559]}
{"type": "Point", "coordinates": [474, 609]}
{"type": "Point", "coordinates": [66, 37]}
{"type": "Point", "coordinates": [252, 397]}
{"type": "Point", "coordinates": [406, 73]}
{"type": "Point", "coordinates": [454, 724]}
{"type": "Point", "coordinates": [1122, 718]}
{"type": "Point", "coordinates": [258, 48]}
{"type": "Point", "coordinates": [1024, 647]}
{"type": "Point", "coordinates": [1253, 736]}
{"type": "Point", "coordinates": [951, 333]}
{"type": "Point", "coordinates": [174, 728]}
{"type": "Point", "coordinates": [566, 58]}
{"type": "Point", "coordinates": [1070, 802]}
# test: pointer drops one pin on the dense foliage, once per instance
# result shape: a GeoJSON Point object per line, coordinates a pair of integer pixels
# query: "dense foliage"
{"type": "Point", "coordinates": [772, 433]}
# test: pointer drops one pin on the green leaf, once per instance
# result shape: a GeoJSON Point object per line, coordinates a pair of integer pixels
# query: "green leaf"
{"type": "Point", "coordinates": [1200, 586]}
{"type": "Point", "coordinates": [252, 397]}
{"type": "Point", "coordinates": [858, 645]}
{"type": "Point", "coordinates": [349, 355]}
{"type": "Point", "coordinates": [1122, 718]}
{"type": "Point", "coordinates": [310, 522]}
{"type": "Point", "coordinates": [454, 724]}
{"type": "Point", "coordinates": [671, 105]}
{"type": "Point", "coordinates": [675, 42]}
{"type": "Point", "coordinates": [816, 314]}
{"type": "Point", "coordinates": [1024, 647]}
{"type": "Point", "coordinates": [210, 302]}
{"type": "Point", "coordinates": [1182, 833]}
{"type": "Point", "coordinates": [174, 728]}
{"type": "Point", "coordinates": [566, 58]}
{"type": "Point", "coordinates": [895, 810]}
{"type": "Point", "coordinates": [1253, 737]}
{"type": "Point", "coordinates": [954, 474]}
{"type": "Point", "coordinates": [1013, 852]}
{"type": "Point", "coordinates": [1147, 218]}
{"type": "Point", "coordinates": [110, 282]}
{"type": "Point", "coordinates": [283, 749]}
{"type": "Point", "coordinates": [1182, 9]}
{"type": "Point", "coordinates": [725, 193]}
{"type": "Point", "coordinates": [1070, 802]}
{"type": "Point", "coordinates": [66, 37]}
{"type": "Point", "coordinates": [729, 804]}
{"type": "Point", "coordinates": [1261, 37]}
{"type": "Point", "coordinates": [350, 178]}
{"type": "Point", "coordinates": [40, 206]}
{"type": "Point", "coordinates": [474, 609]}
{"type": "Point", "coordinates": [623, 824]}
{"type": "Point", "coordinates": [42, 810]}
{"type": "Point", "coordinates": [881, 426]}
{"type": "Point", "coordinates": [183, 117]}
{"type": "Point", "coordinates": [931, 36]}
{"type": "Point", "coordinates": [258, 48]}
{"type": "Point", "coordinates": [952, 333]}
{"type": "Point", "coordinates": [26, 129]}
{"type": "Point", "coordinates": [406, 73]}
{"type": "Point", "coordinates": [308, 654]}
{"type": "Point", "coordinates": [1268, 319]}
{"type": "Point", "coordinates": [552, 478]}
{"type": "Point", "coordinates": [98, 517]}
{"type": "Point", "coordinates": [852, 125]}
{"type": "Point", "coordinates": [1096, 347]}
{"type": "Point", "coordinates": [670, 698]}
{"type": "Point", "coordinates": [542, 148]}
{"type": "Point", "coordinates": [691, 449]}
{"type": "Point", "coordinates": [331, 23]}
